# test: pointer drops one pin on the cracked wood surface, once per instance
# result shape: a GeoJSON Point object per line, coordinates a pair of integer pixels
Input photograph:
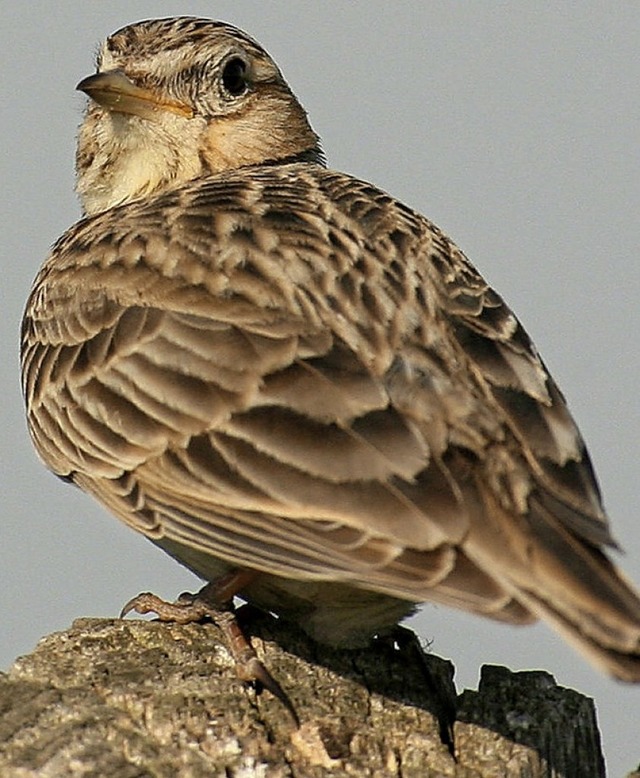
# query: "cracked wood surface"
{"type": "Point", "coordinates": [137, 698]}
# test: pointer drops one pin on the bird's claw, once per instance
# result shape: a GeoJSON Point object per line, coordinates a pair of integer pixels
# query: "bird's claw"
{"type": "Point", "coordinates": [189, 608]}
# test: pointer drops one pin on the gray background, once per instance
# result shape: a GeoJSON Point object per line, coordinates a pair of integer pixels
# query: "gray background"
{"type": "Point", "coordinates": [514, 126]}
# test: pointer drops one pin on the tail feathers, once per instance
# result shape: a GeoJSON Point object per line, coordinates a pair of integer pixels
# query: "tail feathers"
{"type": "Point", "coordinates": [563, 580]}
{"type": "Point", "coordinates": [615, 652]}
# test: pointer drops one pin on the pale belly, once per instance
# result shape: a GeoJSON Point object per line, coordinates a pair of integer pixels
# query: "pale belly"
{"type": "Point", "coordinates": [339, 614]}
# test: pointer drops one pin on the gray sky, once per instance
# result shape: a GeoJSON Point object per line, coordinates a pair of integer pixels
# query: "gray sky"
{"type": "Point", "coordinates": [514, 126]}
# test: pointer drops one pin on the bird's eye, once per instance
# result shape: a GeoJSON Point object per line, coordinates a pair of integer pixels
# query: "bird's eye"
{"type": "Point", "coordinates": [234, 77]}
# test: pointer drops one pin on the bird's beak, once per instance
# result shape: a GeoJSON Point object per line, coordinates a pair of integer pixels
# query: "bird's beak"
{"type": "Point", "coordinates": [115, 92]}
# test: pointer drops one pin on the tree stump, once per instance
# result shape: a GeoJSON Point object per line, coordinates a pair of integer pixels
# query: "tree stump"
{"type": "Point", "coordinates": [138, 698]}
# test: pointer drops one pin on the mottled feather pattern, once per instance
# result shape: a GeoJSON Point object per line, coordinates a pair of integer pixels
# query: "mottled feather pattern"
{"type": "Point", "coordinates": [280, 367]}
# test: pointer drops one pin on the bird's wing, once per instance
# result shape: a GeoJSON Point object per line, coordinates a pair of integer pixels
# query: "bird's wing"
{"type": "Point", "coordinates": [213, 367]}
{"type": "Point", "coordinates": [539, 525]}
{"type": "Point", "coordinates": [533, 409]}
{"type": "Point", "coordinates": [292, 371]}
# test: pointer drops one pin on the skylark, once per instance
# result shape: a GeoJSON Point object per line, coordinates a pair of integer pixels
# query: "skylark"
{"type": "Point", "coordinates": [293, 383]}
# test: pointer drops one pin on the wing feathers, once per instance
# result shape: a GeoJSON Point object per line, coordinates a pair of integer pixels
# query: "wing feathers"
{"type": "Point", "coordinates": [287, 370]}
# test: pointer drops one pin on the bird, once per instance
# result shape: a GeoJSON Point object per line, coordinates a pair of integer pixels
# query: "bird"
{"type": "Point", "coordinates": [293, 383]}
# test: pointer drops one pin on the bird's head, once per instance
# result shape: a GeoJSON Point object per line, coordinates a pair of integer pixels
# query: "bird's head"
{"type": "Point", "coordinates": [175, 99]}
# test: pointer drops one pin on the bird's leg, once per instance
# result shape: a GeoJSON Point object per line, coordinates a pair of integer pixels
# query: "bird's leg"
{"type": "Point", "coordinates": [209, 601]}
{"type": "Point", "coordinates": [215, 601]}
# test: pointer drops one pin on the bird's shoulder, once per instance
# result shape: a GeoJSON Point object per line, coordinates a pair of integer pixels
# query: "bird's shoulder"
{"type": "Point", "coordinates": [273, 241]}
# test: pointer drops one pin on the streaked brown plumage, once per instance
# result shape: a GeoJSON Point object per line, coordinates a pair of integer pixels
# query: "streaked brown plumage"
{"type": "Point", "coordinates": [262, 363]}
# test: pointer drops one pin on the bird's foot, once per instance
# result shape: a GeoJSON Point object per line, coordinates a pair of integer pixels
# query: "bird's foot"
{"type": "Point", "coordinates": [215, 601]}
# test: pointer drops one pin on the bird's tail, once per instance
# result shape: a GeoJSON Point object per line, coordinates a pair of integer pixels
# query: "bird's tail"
{"type": "Point", "coordinates": [562, 579]}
